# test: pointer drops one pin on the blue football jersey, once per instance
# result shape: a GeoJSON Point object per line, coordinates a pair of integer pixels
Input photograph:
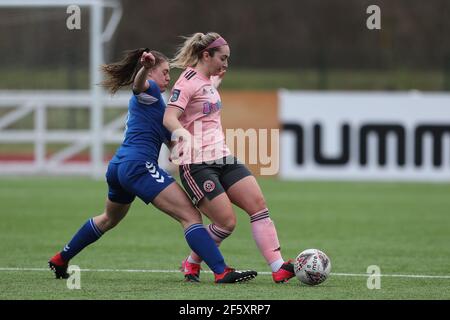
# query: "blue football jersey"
{"type": "Point", "coordinates": [144, 130]}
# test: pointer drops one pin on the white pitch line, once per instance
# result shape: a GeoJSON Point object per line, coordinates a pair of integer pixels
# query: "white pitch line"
{"type": "Point", "coordinates": [261, 273]}
{"type": "Point", "coordinates": [390, 275]}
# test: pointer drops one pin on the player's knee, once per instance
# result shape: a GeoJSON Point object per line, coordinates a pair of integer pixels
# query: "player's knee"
{"type": "Point", "coordinates": [189, 217]}
{"type": "Point", "coordinates": [111, 223]}
{"type": "Point", "coordinates": [187, 221]}
{"type": "Point", "coordinates": [257, 203]}
{"type": "Point", "coordinates": [228, 225]}
{"type": "Point", "coordinates": [108, 222]}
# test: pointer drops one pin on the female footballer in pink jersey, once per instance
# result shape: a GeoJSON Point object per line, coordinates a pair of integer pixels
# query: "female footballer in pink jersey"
{"type": "Point", "coordinates": [213, 178]}
{"type": "Point", "coordinates": [134, 169]}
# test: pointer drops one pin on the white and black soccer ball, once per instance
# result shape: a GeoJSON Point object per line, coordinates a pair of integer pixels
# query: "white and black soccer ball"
{"type": "Point", "coordinates": [312, 267]}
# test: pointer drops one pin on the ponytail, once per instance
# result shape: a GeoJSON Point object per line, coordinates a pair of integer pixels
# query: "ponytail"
{"type": "Point", "coordinates": [189, 53]}
{"type": "Point", "coordinates": [122, 73]}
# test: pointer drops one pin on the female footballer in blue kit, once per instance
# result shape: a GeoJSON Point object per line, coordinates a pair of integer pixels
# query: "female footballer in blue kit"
{"type": "Point", "coordinates": [134, 170]}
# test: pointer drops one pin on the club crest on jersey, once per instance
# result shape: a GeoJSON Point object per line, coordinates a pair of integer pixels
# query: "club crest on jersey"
{"type": "Point", "coordinates": [175, 95]}
{"type": "Point", "coordinates": [209, 185]}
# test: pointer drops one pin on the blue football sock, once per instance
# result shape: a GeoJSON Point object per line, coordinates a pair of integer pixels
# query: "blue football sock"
{"type": "Point", "coordinates": [87, 234]}
{"type": "Point", "coordinates": [201, 243]}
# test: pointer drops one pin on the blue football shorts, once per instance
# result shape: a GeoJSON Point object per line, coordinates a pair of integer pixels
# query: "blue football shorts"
{"type": "Point", "coordinates": [144, 179]}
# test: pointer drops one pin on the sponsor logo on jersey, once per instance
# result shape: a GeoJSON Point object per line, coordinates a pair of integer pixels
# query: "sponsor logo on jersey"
{"type": "Point", "coordinates": [209, 107]}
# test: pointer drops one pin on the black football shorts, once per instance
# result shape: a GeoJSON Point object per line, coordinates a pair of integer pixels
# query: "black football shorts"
{"type": "Point", "coordinates": [209, 180]}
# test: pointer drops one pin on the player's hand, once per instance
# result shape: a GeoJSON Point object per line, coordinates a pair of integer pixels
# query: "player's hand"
{"type": "Point", "coordinates": [183, 147]}
{"type": "Point", "coordinates": [217, 80]}
{"type": "Point", "coordinates": [222, 73]}
{"type": "Point", "coordinates": [147, 60]}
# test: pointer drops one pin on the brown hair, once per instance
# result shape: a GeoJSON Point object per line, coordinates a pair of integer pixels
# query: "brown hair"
{"type": "Point", "coordinates": [190, 52]}
{"type": "Point", "coordinates": [122, 73]}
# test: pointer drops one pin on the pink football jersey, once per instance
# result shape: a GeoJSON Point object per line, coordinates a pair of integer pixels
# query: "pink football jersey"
{"type": "Point", "coordinates": [199, 100]}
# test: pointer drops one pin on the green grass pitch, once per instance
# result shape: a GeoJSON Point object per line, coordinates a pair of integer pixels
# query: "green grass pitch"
{"type": "Point", "coordinates": [404, 228]}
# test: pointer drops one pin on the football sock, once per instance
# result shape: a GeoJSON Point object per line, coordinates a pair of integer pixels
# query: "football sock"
{"type": "Point", "coordinates": [190, 259]}
{"type": "Point", "coordinates": [265, 235]}
{"type": "Point", "coordinates": [200, 241]}
{"type": "Point", "coordinates": [217, 234]}
{"type": "Point", "coordinates": [87, 234]}
{"type": "Point", "coordinates": [276, 265]}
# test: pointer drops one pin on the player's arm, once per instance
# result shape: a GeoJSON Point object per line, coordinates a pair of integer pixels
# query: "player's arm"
{"type": "Point", "coordinates": [140, 83]}
{"type": "Point", "coordinates": [171, 122]}
{"type": "Point", "coordinates": [180, 136]}
{"type": "Point", "coordinates": [169, 144]}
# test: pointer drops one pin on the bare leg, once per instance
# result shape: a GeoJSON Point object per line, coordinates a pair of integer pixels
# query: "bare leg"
{"type": "Point", "coordinates": [220, 211]}
{"type": "Point", "coordinates": [114, 213]}
{"type": "Point", "coordinates": [174, 202]}
{"type": "Point", "coordinates": [247, 195]}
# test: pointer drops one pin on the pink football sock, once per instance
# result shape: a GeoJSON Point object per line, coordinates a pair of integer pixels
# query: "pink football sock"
{"type": "Point", "coordinates": [218, 235]}
{"type": "Point", "coordinates": [265, 235]}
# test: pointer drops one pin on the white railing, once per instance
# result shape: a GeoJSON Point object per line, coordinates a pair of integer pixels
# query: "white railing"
{"type": "Point", "coordinates": [38, 103]}
{"type": "Point", "coordinates": [97, 37]}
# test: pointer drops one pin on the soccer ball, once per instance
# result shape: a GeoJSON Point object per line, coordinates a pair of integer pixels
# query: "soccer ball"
{"type": "Point", "coordinates": [312, 267]}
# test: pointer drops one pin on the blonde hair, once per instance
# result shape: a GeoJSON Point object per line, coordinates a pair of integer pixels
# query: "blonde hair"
{"type": "Point", "coordinates": [190, 52]}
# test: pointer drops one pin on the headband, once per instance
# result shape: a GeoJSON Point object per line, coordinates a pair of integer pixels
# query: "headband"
{"type": "Point", "coordinates": [216, 43]}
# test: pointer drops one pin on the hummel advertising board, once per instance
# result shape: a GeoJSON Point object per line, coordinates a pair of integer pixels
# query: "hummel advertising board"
{"type": "Point", "coordinates": [365, 136]}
